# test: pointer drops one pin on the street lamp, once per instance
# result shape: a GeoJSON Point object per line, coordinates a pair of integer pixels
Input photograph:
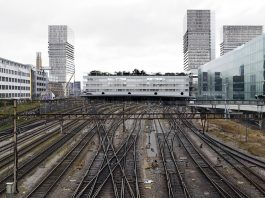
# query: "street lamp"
{"type": "Point", "coordinates": [260, 103]}
{"type": "Point", "coordinates": [226, 107]}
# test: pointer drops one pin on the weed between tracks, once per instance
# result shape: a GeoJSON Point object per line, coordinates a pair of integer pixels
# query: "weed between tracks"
{"type": "Point", "coordinates": [239, 135]}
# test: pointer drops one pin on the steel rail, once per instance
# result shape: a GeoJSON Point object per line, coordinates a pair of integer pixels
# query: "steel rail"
{"type": "Point", "coordinates": [116, 163]}
{"type": "Point", "coordinates": [250, 159]}
{"type": "Point", "coordinates": [27, 166]}
{"type": "Point", "coordinates": [256, 180]}
{"type": "Point", "coordinates": [97, 155]}
{"type": "Point", "coordinates": [109, 143]}
{"type": "Point", "coordinates": [224, 187]}
{"type": "Point", "coordinates": [55, 175]}
{"type": "Point", "coordinates": [175, 181]}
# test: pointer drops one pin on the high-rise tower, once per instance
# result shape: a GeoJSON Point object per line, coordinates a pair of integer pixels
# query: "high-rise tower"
{"type": "Point", "coordinates": [198, 39]}
{"type": "Point", "coordinates": [38, 61]}
{"type": "Point", "coordinates": [61, 56]}
{"type": "Point", "coordinates": [236, 35]}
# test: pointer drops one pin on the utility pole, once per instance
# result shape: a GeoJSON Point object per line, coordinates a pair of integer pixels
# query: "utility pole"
{"type": "Point", "coordinates": [15, 147]}
{"type": "Point", "coordinates": [123, 118]}
{"type": "Point", "coordinates": [226, 108]}
{"type": "Point", "coordinates": [246, 138]}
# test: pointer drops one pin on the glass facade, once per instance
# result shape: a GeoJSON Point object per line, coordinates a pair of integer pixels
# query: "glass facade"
{"type": "Point", "coordinates": [237, 75]}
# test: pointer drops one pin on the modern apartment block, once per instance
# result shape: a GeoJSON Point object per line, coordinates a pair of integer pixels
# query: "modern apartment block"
{"type": "Point", "coordinates": [15, 80]}
{"type": "Point", "coordinates": [198, 39]}
{"type": "Point", "coordinates": [234, 36]}
{"type": "Point", "coordinates": [148, 85]}
{"type": "Point", "coordinates": [61, 57]}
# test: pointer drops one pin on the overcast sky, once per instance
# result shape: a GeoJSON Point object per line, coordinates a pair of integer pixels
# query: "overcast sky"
{"type": "Point", "coordinates": [114, 35]}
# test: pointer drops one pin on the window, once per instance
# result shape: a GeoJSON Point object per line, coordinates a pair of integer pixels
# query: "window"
{"type": "Point", "coordinates": [205, 76]}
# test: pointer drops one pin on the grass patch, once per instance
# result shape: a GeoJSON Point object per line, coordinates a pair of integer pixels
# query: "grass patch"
{"type": "Point", "coordinates": [19, 122]}
{"type": "Point", "coordinates": [231, 131]}
{"type": "Point", "coordinates": [8, 109]}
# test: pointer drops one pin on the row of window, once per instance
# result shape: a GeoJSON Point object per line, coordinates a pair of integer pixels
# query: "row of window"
{"type": "Point", "coordinates": [6, 79]}
{"type": "Point", "coordinates": [41, 78]}
{"type": "Point", "coordinates": [7, 62]}
{"type": "Point", "coordinates": [120, 90]}
{"type": "Point", "coordinates": [10, 95]}
{"type": "Point", "coordinates": [9, 71]}
{"type": "Point", "coordinates": [41, 89]}
{"type": "Point", "coordinates": [12, 87]}
{"type": "Point", "coordinates": [41, 84]}
{"type": "Point", "coordinates": [137, 85]}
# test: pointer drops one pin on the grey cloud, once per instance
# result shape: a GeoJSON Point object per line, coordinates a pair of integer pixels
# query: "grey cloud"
{"type": "Point", "coordinates": [117, 34]}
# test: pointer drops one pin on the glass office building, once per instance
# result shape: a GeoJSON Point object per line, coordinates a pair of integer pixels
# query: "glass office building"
{"type": "Point", "coordinates": [237, 75]}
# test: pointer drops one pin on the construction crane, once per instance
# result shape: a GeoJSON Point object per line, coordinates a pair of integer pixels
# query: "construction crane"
{"type": "Point", "coordinates": [67, 84]}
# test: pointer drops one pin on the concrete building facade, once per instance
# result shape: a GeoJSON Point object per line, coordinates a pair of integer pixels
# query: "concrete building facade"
{"type": "Point", "coordinates": [38, 61]}
{"type": "Point", "coordinates": [15, 80]}
{"type": "Point", "coordinates": [198, 39]}
{"type": "Point", "coordinates": [234, 36]}
{"type": "Point", "coordinates": [39, 83]}
{"type": "Point", "coordinates": [75, 88]}
{"type": "Point", "coordinates": [61, 56]}
{"type": "Point", "coordinates": [174, 86]}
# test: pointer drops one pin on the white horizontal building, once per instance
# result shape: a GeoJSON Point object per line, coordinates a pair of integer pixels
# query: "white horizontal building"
{"type": "Point", "coordinates": [113, 85]}
{"type": "Point", "coordinates": [15, 80]}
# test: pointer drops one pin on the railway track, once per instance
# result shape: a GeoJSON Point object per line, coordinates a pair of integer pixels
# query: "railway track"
{"type": "Point", "coordinates": [26, 144]}
{"type": "Point", "coordinates": [8, 159]}
{"type": "Point", "coordinates": [243, 156]}
{"type": "Point", "coordinates": [223, 186]}
{"type": "Point", "coordinates": [29, 165]}
{"type": "Point", "coordinates": [175, 182]}
{"type": "Point", "coordinates": [55, 175]}
{"type": "Point", "coordinates": [21, 129]}
{"type": "Point", "coordinates": [256, 180]}
{"type": "Point", "coordinates": [45, 186]}
{"type": "Point", "coordinates": [6, 134]}
{"type": "Point", "coordinates": [110, 163]}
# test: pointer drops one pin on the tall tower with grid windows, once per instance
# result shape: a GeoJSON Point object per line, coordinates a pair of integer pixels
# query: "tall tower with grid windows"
{"type": "Point", "coordinates": [198, 39]}
{"type": "Point", "coordinates": [61, 58]}
{"type": "Point", "coordinates": [236, 35]}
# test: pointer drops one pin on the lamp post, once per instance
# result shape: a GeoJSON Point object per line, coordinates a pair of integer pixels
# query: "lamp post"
{"type": "Point", "coordinates": [260, 103]}
{"type": "Point", "coordinates": [226, 108]}
{"type": "Point", "coordinates": [15, 148]}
